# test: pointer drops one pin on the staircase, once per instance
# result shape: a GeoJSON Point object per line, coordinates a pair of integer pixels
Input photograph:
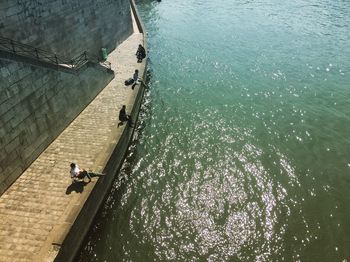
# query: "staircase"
{"type": "Point", "coordinates": [13, 50]}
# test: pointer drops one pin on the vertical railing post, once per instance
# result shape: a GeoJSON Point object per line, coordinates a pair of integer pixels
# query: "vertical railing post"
{"type": "Point", "coordinates": [48, 57]}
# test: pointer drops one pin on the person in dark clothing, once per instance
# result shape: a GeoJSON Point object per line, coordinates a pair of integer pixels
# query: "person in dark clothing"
{"type": "Point", "coordinates": [123, 117]}
{"type": "Point", "coordinates": [140, 53]}
{"type": "Point", "coordinates": [136, 79]}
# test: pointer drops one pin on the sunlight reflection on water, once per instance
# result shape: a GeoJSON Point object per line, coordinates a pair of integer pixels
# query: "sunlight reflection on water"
{"type": "Point", "coordinates": [242, 148]}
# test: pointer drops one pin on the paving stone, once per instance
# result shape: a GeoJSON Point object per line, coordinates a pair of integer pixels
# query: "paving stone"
{"type": "Point", "coordinates": [39, 200]}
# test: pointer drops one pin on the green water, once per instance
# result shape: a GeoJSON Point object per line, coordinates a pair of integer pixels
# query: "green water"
{"type": "Point", "coordinates": [243, 148]}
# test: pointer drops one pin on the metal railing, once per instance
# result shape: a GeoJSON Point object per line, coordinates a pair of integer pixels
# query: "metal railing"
{"type": "Point", "coordinates": [95, 60]}
{"type": "Point", "coordinates": [28, 51]}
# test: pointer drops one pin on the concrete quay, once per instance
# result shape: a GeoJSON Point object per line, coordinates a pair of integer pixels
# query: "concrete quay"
{"type": "Point", "coordinates": [41, 207]}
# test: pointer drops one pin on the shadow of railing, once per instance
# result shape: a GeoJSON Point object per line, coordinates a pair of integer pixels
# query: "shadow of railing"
{"type": "Point", "coordinates": [12, 49]}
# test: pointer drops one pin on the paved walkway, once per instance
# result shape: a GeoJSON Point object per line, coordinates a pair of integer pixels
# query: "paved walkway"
{"type": "Point", "coordinates": [39, 208]}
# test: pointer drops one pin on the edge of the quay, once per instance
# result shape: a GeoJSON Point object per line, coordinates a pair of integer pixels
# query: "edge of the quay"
{"type": "Point", "coordinates": [77, 233]}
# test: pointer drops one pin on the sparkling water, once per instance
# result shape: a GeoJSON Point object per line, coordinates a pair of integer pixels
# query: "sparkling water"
{"type": "Point", "coordinates": [243, 147]}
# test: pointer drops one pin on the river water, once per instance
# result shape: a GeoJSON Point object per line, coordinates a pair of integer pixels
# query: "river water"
{"type": "Point", "coordinates": [243, 148]}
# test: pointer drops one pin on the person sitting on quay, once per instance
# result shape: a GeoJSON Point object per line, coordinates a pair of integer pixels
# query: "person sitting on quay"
{"type": "Point", "coordinates": [77, 174]}
{"type": "Point", "coordinates": [136, 79]}
{"type": "Point", "coordinates": [140, 53]}
{"type": "Point", "coordinates": [123, 117]}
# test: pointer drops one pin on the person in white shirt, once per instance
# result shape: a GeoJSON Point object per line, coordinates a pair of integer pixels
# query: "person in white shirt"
{"type": "Point", "coordinates": [76, 173]}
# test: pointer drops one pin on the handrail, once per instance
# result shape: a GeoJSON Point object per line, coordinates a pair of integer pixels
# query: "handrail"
{"type": "Point", "coordinates": [76, 63]}
{"type": "Point", "coordinates": [96, 60]}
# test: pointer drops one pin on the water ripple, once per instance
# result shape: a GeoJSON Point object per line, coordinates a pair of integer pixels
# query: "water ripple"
{"type": "Point", "coordinates": [241, 153]}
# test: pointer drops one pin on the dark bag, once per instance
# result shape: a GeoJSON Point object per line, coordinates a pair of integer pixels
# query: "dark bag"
{"type": "Point", "coordinates": [129, 81]}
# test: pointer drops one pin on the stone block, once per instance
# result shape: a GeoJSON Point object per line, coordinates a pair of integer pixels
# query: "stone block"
{"type": "Point", "coordinates": [8, 113]}
{"type": "Point", "coordinates": [12, 145]}
{"type": "Point", "coordinates": [36, 152]}
{"type": "Point", "coordinates": [12, 67]}
{"type": "Point", "coordinates": [12, 176]}
{"type": "Point", "coordinates": [8, 160]}
{"type": "Point", "coordinates": [32, 149]}
{"type": "Point", "coordinates": [4, 72]}
{"type": "Point", "coordinates": [13, 90]}
{"type": "Point", "coordinates": [16, 122]}
{"type": "Point", "coordinates": [24, 72]}
{"type": "Point", "coordinates": [3, 156]}
{"type": "Point", "coordinates": [9, 103]}
{"type": "Point", "coordinates": [11, 11]}
{"type": "Point", "coordinates": [2, 131]}
{"type": "Point", "coordinates": [3, 187]}
{"type": "Point", "coordinates": [3, 98]}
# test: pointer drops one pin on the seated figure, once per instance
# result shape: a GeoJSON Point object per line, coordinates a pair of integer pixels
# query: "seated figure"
{"type": "Point", "coordinates": [136, 79]}
{"type": "Point", "coordinates": [77, 174]}
{"type": "Point", "coordinates": [123, 117]}
{"type": "Point", "coordinates": [140, 53]}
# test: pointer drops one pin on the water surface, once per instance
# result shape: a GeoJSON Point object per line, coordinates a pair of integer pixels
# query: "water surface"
{"type": "Point", "coordinates": [242, 152]}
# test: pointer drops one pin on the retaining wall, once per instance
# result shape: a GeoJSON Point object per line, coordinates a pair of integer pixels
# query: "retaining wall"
{"type": "Point", "coordinates": [36, 104]}
{"type": "Point", "coordinates": [66, 27]}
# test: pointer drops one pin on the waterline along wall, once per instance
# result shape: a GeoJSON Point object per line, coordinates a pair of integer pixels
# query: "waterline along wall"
{"type": "Point", "coordinates": [37, 103]}
{"type": "Point", "coordinates": [116, 155]}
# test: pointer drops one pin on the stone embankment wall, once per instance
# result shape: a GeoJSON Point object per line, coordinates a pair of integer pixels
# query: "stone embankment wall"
{"type": "Point", "coordinates": [35, 106]}
{"type": "Point", "coordinates": [66, 27]}
{"type": "Point", "coordinates": [37, 103]}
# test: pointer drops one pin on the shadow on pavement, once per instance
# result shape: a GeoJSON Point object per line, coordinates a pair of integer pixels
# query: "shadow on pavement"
{"type": "Point", "coordinates": [76, 186]}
